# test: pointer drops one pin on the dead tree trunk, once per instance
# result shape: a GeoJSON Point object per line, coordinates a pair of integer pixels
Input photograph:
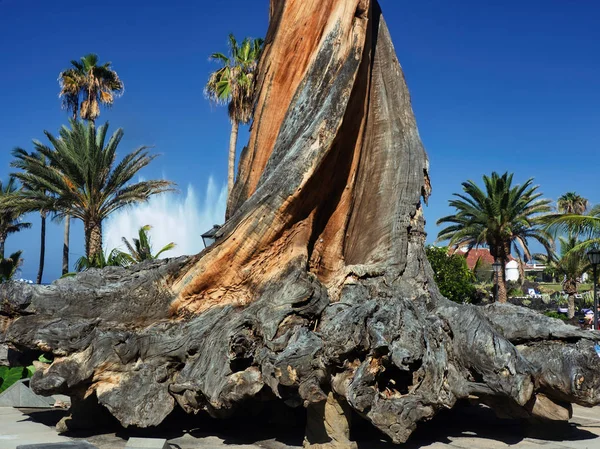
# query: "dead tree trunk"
{"type": "Point", "coordinates": [318, 291]}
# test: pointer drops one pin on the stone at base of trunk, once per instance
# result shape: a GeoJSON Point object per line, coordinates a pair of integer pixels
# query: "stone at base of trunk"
{"type": "Point", "coordinates": [328, 425]}
{"type": "Point", "coordinates": [542, 407]}
{"type": "Point", "coordinates": [85, 414]}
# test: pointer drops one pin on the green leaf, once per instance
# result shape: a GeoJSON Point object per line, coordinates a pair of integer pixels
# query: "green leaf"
{"type": "Point", "coordinates": [43, 358]}
{"type": "Point", "coordinates": [11, 376]}
{"type": "Point", "coordinates": [30, 371]}
{"type": "Point", "coordinates": [3, 371]}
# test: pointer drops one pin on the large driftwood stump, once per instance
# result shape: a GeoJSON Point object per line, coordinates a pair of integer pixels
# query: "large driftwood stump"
{"type": "Point", "coordinates": [318, 292]}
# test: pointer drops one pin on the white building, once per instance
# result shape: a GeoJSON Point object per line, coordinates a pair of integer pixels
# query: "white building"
{"type": "Point", "coordinates": [512, 270]}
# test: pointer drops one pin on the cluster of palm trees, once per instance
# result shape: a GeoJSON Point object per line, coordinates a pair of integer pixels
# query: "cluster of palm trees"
{"type": "Point", "coordinates": [505, 218]}
{"type": "Point", "coordinates": [77, 173]}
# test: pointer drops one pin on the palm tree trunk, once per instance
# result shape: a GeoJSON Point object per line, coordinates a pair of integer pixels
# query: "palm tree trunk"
{"type": "Point", "coordinates": [571, 306]}
{"type": "Point", "coordinates": [521, 271]}
{"type": "Point", "coordinates": [570, 288]}
{"type": "Point", "coordinates": [42, 248]}
{"type": "Point", "coordinates": [502, 293]}
{"type": "Point", "coordinates": [232, 144]}
{"type": "Point", "coordinates": [93, 240]}
{"type": "Point", "coordinates": [65, 262]}
{"type": "Point", "coordinates": [2, 240]}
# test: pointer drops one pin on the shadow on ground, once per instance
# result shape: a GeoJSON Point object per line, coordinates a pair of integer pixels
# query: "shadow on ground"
{"type": "Point", "coordinates": [275, 426]}
{"type": "Point", "coordinates": [475, 421]}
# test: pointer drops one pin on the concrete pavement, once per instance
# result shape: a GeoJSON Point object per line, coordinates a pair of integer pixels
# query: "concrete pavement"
{"type": "Point", "coordinates": [473, 427]}
{"type": "Point", "coordinates": [17, 428]}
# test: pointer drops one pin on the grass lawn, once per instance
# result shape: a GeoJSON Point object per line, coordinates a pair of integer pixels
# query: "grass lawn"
{"type": "Point", "coordinates": [548, 287]}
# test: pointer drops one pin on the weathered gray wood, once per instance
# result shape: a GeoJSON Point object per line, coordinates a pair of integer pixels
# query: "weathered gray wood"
{"type": "Point", "coordinates": [318, 286]}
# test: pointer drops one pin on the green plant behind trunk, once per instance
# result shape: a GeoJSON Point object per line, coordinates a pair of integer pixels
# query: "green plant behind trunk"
{"type": "Point", "coordinates": [451, 274]}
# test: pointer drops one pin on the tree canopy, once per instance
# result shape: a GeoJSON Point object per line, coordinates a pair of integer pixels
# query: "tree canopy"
{"type": "Point", "coordinates": [83, 178]}
{"type": "Point", "coordinates": [87, 84]}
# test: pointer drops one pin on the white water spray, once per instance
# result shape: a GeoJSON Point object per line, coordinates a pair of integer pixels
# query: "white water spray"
{"type": "Point", "coordinates": [174, 218]}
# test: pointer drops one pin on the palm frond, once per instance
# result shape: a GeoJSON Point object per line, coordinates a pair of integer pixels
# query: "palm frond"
{"type": "Point", "coordinates": [10, 265]}
{"type": "Point", "coordinates": [234, 82]}
{"type": "Point", "coordinates": [167, 247]}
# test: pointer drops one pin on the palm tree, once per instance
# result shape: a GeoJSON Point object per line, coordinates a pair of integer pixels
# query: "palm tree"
{"type": "Point", "coordinates": [9, 266]}
{"type": "Point", "coordinates": [572, 203]}
{"type": "Point", "coordinates": [86, 85]}
{"type": "Point", "coordinates": [10, 215]}
{"type": "Point", "coordinates": [233, 84]}
{"type": "Point", "coordinates": [82, 180]}
{"type": "Point", "coordinates": [571, 263]}
{"type": "Point", "coordinates": [140, 249]}
{"type": "Point", "coordinates": [586, 226]}
{"type": "Point", "coordinates": [21, 162]}
{"type": "Point", "coordinates": [502, 217]}
{"type": "Point", "coordinates": [83, 87]}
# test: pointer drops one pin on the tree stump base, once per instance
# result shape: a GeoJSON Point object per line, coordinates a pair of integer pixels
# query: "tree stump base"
{"type": "Point", "coordinates": [317, 291]}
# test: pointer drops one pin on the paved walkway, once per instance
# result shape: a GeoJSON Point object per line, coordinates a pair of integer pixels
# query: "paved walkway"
{"type": "Point", "coordinates": [465, 428]}
{"type": "Point", "coordinates": [16, 428]}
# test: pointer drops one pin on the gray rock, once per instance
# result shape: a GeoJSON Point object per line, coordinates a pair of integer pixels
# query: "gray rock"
{"type": "Point", "coordinates": [3, 355]}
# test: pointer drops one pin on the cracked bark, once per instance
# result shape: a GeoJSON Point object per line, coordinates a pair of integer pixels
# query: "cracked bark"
{"type": "Point", "coordinates": [318, 286]}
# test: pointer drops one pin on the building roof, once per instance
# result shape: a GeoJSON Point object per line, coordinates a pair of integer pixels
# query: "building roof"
{"type": "Point", "coordinates": [475, 254]}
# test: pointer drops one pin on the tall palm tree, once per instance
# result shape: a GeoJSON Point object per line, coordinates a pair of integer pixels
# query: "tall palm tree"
{"type": "Point", "coordinates": [83, 180]}
{"type": "Point", "coordinates": [21, 161]}
{"type": "Point", "coordinates": [83, 87]}
{"type": "Point", "coordinates": [570, 264]}
{"type": "Point", "coordinates": [86, 85]}
{"type": "Point", "coordinates": [233, 84]}
{"type": "Point", "coordinates": [10, 214]}
{"type": "Point", "coordinates": [572, 203]}
{"type": "Point", "coordinates": [502, 217]}
{"type": "Point", "coordinates": [140, 249]}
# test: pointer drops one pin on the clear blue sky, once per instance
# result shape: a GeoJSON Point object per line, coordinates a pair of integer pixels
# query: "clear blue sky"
{"type": "Point", "coordinates": [496, 85]}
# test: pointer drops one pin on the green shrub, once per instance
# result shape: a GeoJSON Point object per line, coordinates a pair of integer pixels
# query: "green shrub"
{"type": "Point", "coordinates": [562, 300]}
{"type": "Point", "coordinates": [483, 272]}
{"type": "Point", "coordinates": [515, 293]}
{"type": "Point", "coordinates": [452, 275]}
{"type": "Point", "coordinates": [514, 289]}
{"type": "Point", "coordinates": [553, 314]}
